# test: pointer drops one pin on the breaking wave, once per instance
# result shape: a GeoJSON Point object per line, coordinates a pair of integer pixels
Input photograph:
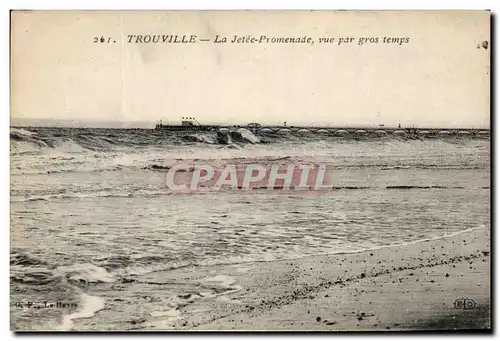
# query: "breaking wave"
{"type": "Point", "coordinates": [73, 140]}
{"type": "Point", "coordinates": [77, 140]}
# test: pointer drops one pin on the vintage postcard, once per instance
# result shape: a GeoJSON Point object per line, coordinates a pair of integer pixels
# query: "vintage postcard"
{"type": "Point", "coordinates": [250, 171]}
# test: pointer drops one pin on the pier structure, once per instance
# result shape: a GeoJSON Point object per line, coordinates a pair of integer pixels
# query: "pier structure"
{"type": "Point", "coordinates": [329, 129]}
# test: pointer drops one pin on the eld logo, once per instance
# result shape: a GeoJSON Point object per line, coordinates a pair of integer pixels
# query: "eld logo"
{"type": "Point", "coordinates": [464, 303]}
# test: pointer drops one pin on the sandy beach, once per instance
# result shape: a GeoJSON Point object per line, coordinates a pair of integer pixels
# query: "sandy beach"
{"type": "Point", "coordinates": [406, 287]}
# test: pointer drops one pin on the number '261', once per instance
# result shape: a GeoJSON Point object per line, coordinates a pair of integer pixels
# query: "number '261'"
{"type": "Point", "coordinates": [101, 39]}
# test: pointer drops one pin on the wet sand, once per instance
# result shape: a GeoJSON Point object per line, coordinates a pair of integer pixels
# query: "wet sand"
{"type": "Point", "coordinates": [407, 287]}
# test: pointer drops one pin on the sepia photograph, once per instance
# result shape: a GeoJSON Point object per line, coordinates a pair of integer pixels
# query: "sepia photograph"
{"type": "Point", "coordinates": [250, 170]}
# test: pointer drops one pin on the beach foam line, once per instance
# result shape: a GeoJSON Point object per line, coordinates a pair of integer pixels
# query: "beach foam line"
{"type": "Point", "coordinates": [97, 274]}
{"type": "Point", "coordinates": [335, 253]}
{"type": "Point", "coordinates": [345, 252]}
{"type": "Point", "coordinates": [89, 306]}
{"type": "Point", "coordinates": [449, 235]}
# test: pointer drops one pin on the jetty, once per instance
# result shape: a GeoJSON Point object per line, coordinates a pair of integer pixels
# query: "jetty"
{"type": "Point", "coordinates": [191, 124]}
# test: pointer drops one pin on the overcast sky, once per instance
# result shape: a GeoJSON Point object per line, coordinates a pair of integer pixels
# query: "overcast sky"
{"type": "Point", "coordinates": [439, 78]}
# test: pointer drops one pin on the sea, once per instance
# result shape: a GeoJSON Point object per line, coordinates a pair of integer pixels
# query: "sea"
{"type": "Point", "coordinates": [91, 214]}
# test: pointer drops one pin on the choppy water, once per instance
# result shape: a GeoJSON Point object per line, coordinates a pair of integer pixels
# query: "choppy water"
{"type": "Point", "coordinates": [90, 211]}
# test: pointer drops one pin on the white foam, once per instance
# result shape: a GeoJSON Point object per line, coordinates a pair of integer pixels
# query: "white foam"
{"type": "Point", "coordinates": [172, 314]}
{"type": "Point", "coordinates": [139, 270]}
{"type": "Point", "coordinates": [87, 272]}
{"type": "Point", "coordinates": [66, 146]}
{"type": "Point", "coordinates": [223, 280]}
{"type": "Point", "coordinates": [247, 134]}
{"type": "Point", "coordinates": [166, 318]}
{"type": "Point", "coordinates": [21, 131]}
{"type": "Point", "coordinates": [89, 306]}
